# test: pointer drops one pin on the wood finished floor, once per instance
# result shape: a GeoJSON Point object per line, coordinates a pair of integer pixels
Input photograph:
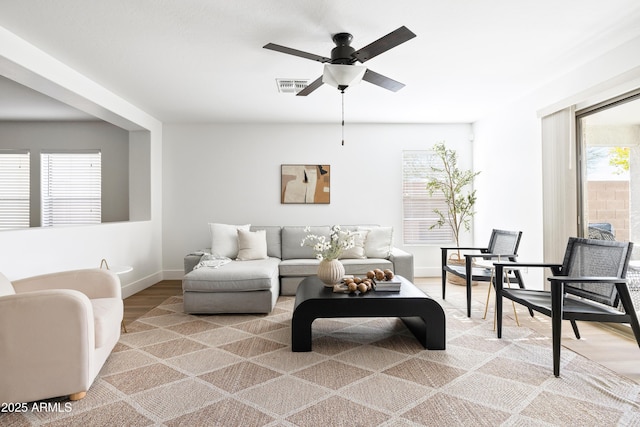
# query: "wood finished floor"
{"type": "Point", "coordinates": [607, 346]}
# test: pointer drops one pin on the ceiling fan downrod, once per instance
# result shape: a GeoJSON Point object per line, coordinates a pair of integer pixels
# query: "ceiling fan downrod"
{"type": "Point", "coordinates": [342, 117]}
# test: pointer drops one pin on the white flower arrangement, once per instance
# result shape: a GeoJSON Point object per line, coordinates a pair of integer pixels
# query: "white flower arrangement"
{"type": "Point", "coordinates": [331, 248]}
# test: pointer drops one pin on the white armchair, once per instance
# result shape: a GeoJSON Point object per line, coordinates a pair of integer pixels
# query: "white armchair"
{"type": "Point", "coordinates": [56, 332]}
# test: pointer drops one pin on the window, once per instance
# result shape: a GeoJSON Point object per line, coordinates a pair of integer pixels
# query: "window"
{"type": "Point", "coordinates": [14, 189]}
{"type": "Point", "coordinates": [418, 207]}
{"type": "Point", "coordinates": [71, 188]}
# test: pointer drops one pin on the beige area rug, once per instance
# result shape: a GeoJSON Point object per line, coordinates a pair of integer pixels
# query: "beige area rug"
{"type": "Point", "coordinates": [174, 369]}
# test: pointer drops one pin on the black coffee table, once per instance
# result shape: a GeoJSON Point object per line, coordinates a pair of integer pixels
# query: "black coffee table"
{"type": "Point", "coordinates": [423, 316]}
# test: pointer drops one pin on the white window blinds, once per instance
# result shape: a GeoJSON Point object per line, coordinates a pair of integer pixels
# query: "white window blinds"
{"type": "Point", "coordinates": [14, 189]}
{"type": "Point", "coordinates": [418, 206]}
{"type": "Point", "coordinates": [71, 188]}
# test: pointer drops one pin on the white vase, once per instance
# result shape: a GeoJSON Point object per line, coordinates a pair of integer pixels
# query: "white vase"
{"type": "Point", "coordinates": [330, 272]}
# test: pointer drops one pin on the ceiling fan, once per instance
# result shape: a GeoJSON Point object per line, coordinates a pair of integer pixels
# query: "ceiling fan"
{"type": "Point", "coordinates": [340, 70]}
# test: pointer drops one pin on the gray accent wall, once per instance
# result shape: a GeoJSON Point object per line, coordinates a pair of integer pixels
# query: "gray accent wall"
{"type": "Point", "coordinates": [112, 141]}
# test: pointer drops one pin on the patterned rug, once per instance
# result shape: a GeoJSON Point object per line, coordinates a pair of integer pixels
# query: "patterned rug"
{"type": "Point", "coordinates": [174, 369]}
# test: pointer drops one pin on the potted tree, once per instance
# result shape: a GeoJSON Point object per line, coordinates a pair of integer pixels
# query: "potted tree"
{"type": "Point", "coordinates": [460, 199]}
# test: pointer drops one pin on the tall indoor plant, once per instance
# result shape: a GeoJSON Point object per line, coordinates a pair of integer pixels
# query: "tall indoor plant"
{"type": "Point", "coordinates": [454, 183]}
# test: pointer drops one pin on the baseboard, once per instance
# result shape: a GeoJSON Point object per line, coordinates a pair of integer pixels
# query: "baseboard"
{"type": "Point", "coordinates": [139, 285]}
{"type": "Point", "coordinates": [427, 271]}
{"type": "Point", "coordinates": [173, 274]}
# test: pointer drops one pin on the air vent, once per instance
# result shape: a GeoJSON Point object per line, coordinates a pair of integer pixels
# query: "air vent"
{"type": "Point", "coordinates": [291, 85]}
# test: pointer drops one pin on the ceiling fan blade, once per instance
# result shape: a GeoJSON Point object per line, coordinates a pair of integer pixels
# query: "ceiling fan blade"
{"type": "Point", "coordinates": [312, 86]}
{"type": "Point", "coordinates": [296, 52]}
{"type": "Point", "coordinates": [383, 44]}
{"type": "Point", "coordinates": [382, 81]}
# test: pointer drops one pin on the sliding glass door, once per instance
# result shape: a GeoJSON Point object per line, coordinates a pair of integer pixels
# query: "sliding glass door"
{"type": "Point", "coordinates": [608, 151]}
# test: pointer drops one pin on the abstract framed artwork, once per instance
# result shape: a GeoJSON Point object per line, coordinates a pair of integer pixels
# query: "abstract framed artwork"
{"type": "Point", "coordinates": [305, 184]}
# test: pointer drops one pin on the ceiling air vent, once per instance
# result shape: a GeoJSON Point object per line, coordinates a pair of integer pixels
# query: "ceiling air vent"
{"type": "Point", "coordinates": [291, 85]}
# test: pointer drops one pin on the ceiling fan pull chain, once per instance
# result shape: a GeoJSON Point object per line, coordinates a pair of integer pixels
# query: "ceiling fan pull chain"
{"type": "Point", "coordinates": [343, 117]}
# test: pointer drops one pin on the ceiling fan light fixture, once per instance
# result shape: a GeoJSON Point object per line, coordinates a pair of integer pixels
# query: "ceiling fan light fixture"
{"type": "Point", "coordinates": [342, 76]}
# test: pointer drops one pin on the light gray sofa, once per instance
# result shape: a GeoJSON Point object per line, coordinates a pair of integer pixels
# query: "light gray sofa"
{"type": "Point", "coordinates": [253, 286]}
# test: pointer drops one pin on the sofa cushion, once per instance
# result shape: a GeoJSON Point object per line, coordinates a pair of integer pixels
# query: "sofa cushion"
{"type": "Point", "coordinates": [357, 251]}
{"type": "Point", "coordinates": [359, 267]}
{"type": "Point", "coordinates": [299, 267]}
{"type": "Point", "coordinates": [252, 245]}
{"type": "Point", "coordinates": [292, 237]}
{"type": "Point", "coordinates": [237, 276]}
{"type": "Point", "coordinates": [307, 267]}
{"type": "Point", "coordinates": [224, 239]}
{"type": "Point", "coordinates": [274, 241]}
{"type": "Point", "coordinates": [106, 313]}
{"type": "Point", "coordinates": [379, 242]}
{"type": "Point", "coordinates": [6, 288]}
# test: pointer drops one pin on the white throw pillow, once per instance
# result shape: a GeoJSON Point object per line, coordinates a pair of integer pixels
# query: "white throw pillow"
{"type": "Point", "coordinates": [252, 245]}
{"type": "Point", "coordinates": [224, 239]}
{"type": "Point", "coordinates": [379, 242]}
{"type": "Point", "coordinates": [357, 251]}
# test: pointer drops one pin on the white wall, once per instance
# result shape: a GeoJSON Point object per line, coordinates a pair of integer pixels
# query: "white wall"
{"type": "Point", "coordinates": [507, 145]}
{"type": "Point", "coordinates": [507, 150]}
{"type": "Point", "coordinates": [231, 174]}
{"type": "Point", "coordinates": [41, 250]}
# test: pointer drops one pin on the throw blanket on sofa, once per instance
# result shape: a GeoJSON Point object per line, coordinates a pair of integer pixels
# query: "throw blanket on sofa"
{"type": "Point", "coordinates": [212, 261]}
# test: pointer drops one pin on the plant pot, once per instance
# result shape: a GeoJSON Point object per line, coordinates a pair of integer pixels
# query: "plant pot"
{"type": "Point", "coordinates": [452, 278]}
{"type": "Point", "coordinates": [330, 272]}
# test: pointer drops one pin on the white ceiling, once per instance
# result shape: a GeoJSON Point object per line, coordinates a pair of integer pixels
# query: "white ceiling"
{"type": "Point", "coordinates": [203, 61]}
